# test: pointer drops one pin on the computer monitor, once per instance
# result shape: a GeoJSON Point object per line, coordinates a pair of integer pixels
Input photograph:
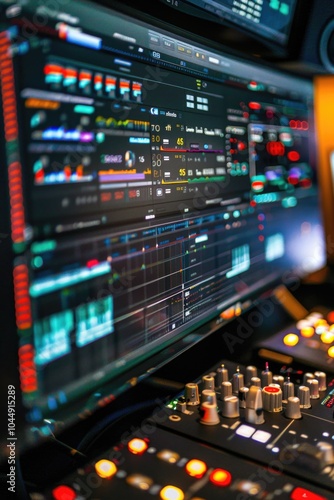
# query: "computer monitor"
{"type": "Point", "coordinates": [151, 182]}
{"type": "Point", "coordinates": [278, 24]}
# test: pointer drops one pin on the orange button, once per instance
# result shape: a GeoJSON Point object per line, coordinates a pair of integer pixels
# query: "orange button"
{"type": "Point", "coordinates": [137, 446]}
{"type": "Point", "coordinates": [303, 494]}
{"type": "Point", "coordinates": [220, 477]}
{"type": "Point", "coordinates": [105, 468]}
{"type": "Point", "coordinates": [196, 468]}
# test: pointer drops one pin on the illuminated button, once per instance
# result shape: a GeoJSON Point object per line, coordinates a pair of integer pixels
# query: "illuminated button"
{"type": "Point", "coordinates": [171, 493]}
{"type": "Point", "coordinates": [137, 446]}
{"type": "Point", "coordinates": [220, 477]}
{"type": "Point", "coordinates": [245, 431]}
{"type": "Point", "coordinates": [168, 456]}
{"type": "Point", "coordinates": [261, 436]}
{"type": "Point", "coordinates": [330, 352]}
{"type": "Point", "coordinates": [196, 468]}
{"type": "Point", "coordinates": [307, 331]}
{"type": "Point", "coordinates": [64, 493]}
{"type": "Point", "coordinates": [105, 468]}
{"type": "Point", "coordinates": [249, 487]}
{"type": "Point", "coordinates": [327, 337]}
{"type": "Point", "coordinates": [139, 481]}
{"type": "Point", "coordinates": [291, 339]}
{"type": "Point", "coordinates": [303, 494]}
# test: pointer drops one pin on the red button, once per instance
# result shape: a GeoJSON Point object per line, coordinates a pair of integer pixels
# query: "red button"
{"type": "Point", "coordinates": [64, 493]}
{"type": "Point", "coordinates": [302, 494]}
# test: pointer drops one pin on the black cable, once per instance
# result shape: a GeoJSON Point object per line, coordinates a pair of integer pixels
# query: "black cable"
{"type": "Point", "coordinates": [94, 434]}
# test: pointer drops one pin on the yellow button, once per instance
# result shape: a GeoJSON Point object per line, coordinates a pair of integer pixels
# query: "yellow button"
{"type": "Point", "coordinates": [291, 339]}
{"type": "Point", "coordinates": [105, 468]}
{"type": "Point", "coordinates": [330, 352]}
{"type": "Point", "coordinates": [171, 493]}
{"type": "Point", "coordinates": [327, 337]}
{"type": "Point", "coordinates": [307, 331]}
{"type": "Point", "coordinates": [196, 468]}
{"type": "Point", "coordinates": [137, 446]}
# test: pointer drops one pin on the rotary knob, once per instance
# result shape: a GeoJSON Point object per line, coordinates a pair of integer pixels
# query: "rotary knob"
{"type": "Point", "coordinates": [288, 389]}
{"type": "Point", "coordinates": [255, 381]}
{"type": "Point", "coordinates": [313, 384]}
{"type": "Point", "coordinates": [237, 381]}
{"type": "Point", "coordinates": [251, 371]}
{"type": "Point", "coordinates": [209, 414]}
{"type": "Point", "coordinates": [266, 376]}
{"type": "Point", "coordinates": [272, 398]}
{"type": "Point", "coordinates": [231, 407]}
{"type": "Point", "coordinates": [254, 406]}
{"type": "Point", "coordinates": [304, 396]}
{"type": "Point", "coordinates": [221, 376]}
{"type": "Point", "coordinates": [225, 390]}
{"type": "Point", "coordinates": [191, 394]}
{"type": "Point", "coordinates": [208, 382]}
{"type": "Point", "coordinates": [208, 396]}
{"type": "Point", "coordinates": [242, 396]}
{"type": "Point", "coordinates": [321, 377]}
{"type": "Point", "coordinates": [327, 452]}
{"type": "Point", "coordinates": [292, 409]}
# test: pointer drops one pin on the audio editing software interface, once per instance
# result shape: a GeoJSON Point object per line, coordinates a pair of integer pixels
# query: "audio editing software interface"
{"type": "Point", "coordinates": [154, 182]}
{"type": "Point", "coordinates": [270, 19]}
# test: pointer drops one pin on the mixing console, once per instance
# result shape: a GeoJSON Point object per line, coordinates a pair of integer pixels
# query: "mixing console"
{"type": "Point", "coordinates": [238, 432]}
{"type": "Point", "coordinates": [309, 341]}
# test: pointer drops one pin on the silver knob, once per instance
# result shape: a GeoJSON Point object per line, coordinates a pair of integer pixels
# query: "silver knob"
{"type": "Point", "coordinates": [266, 376]}
{"type": "Point", "coordinates": [278, 379]}
{"type": "Point", "coordinates": [208, 396]}
{"type": "Point", "coordinates": [292, 409]}
{"type": "Point", "coordinates": [242, 396]}
{"type": "Point", "coordinates": [231, 407]}
{"type": "Point", "coordinates": [208, 382]}
{"type": "Point", "coordinates": [225, 390]}
{"type": "Point", "coordinates": [307, 376]}
{"type": "Point", "coordinates": [254, 406]}
{"type": "Point", "coordinates": [304, 396]}
{"type": "Point", "coordinates": [256, 381]}
{"type": "Point", "coordinates": [237, 381]}
{"type": "Point", "coordinates": [251, 371]}
{"type": "Point", "coordinates": [321, 377]}
{"type": "Point", "coordinates": [327, 452]}
{"type": "Point", "coordinates": [313, 384]}
{"type": "Point", "coordinates": [191, 394]}
{"type": "Point", "coordinates": [209, 414]}
{"type": "Point", "coordinates": [288, 389]}
{"type": "Point", "coordinates": [272, 398]}
{"type": "Point", "coordinates": [221, 376]}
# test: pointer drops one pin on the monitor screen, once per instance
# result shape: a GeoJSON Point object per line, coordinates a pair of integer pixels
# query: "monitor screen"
{"type": "Point", "coordinates": [152, 182]}
{"type": "Point", "coordinates": [267, 19]}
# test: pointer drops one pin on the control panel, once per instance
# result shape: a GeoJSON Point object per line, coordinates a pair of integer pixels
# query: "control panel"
{"type": "Point", "coordinates": [237, 432]}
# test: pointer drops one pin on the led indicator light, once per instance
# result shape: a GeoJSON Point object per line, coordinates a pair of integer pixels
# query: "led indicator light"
{"type": "Point", "coordinates": [63, 493]}
{"type": "Point", "coordinates": [220, 477]}
{"type": "Point", "coordinates": [196, 468]}
{"type": "Point", "coordinates": [137, 446]}
{"type": "Point", "coordinates": [171, 493]}
{"type": "Point", "coordinates": [307, 331]}
{"type": "Point", "coordinates": [291, 339]}
{"type": "Point", "coordinates": [105, 468]}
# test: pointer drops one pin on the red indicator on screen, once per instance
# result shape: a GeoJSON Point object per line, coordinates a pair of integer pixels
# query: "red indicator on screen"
{"type": "Point", "coordinates": [293, 156]}
{"type": "Point", "coordinates": [254, 105]}
{"type": "Point", "coordinates": [257, 186]}
{"type": "Point", "coordinates": [303, 494]}
{"type": "Point", "coordinates": [275, 148]}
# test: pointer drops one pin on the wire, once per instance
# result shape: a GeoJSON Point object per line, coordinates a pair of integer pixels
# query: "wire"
{"type": "Point", "coordinates": [93, 435]}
